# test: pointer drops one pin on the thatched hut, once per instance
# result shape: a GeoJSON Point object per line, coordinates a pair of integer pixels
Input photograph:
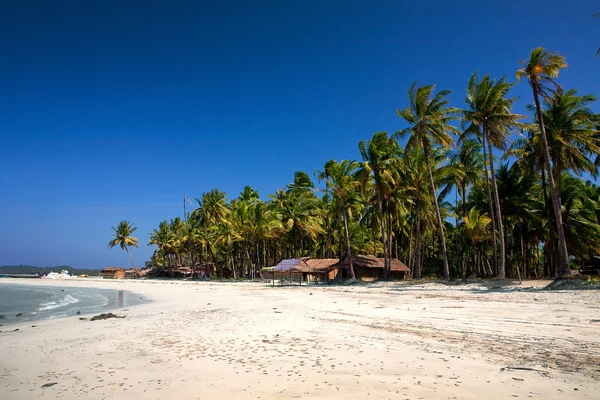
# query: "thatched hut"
{"type": "Point", "coordinates": [318, 269]}
{"type": "Point", "coordinates": [370, 268]}
{"type": "Point", "coordinates": [112, 273]}
{"type": "Point", "coordinates": [303, 270]}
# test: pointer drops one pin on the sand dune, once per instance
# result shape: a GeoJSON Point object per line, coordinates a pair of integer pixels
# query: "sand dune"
{"type": "Point", "coordinates": [252, 341]}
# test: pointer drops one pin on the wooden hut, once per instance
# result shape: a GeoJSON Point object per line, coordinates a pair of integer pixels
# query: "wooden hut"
{"type": "Point", "coordinates": [318, 269]}
{"type": "Point", "coordinates": [303, 270]}
{"type": "Point", "coordinates": [112, 273]}
{"type": "Point", "coordinates": [370, 268]}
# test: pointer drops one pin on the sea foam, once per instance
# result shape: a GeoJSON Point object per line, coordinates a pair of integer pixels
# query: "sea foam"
{"type": "Point", "coordinates": [65, 301]}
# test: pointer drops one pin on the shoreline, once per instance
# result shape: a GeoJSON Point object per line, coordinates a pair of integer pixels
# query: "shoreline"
{"type": "Point", "coordinates": [75, 305]}
{"type": "Point", "coordinates": [248, 340]}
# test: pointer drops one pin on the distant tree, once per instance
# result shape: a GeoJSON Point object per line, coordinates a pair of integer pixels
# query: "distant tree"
{"type": "Point", "coordinates": [122, 238]}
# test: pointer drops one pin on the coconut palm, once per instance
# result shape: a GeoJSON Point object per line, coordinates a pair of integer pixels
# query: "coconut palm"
{"type": "Point", "coordinates": [490, 115]}
{"type": "Point", "coordinates": [122, 238]}
{"type": "Point", "coordinates": [415, 182]}
{"type": "Point", "coordinates": [343, 181]}
{"type": "Point", "coordinates": [429, 118]}
{"type": "Point", "coordinates": [380, 157]}
{"type": "Point", "coordinates": [571, 133]}
{"type": "Point", "coordinates": [540, 70]}
{"type": "Point", "coordinates": [324, 175]}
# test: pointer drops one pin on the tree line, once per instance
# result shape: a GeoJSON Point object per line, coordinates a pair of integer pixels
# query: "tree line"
{"type": "Point", "coordinates": [458, 199]}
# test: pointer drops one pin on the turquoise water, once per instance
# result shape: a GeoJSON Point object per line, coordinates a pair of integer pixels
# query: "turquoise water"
{"type": "Point", "coordinates": [43, 302]}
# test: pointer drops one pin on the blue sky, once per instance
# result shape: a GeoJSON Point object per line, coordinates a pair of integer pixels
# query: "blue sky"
{"type": "Point", "coordinates": [113, 110]}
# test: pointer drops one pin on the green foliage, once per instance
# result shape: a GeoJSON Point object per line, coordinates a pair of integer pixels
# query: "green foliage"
{"type": "Point", "coordinates": [592, 281]}
{"type": "Point", "coordinates": [395, 202]}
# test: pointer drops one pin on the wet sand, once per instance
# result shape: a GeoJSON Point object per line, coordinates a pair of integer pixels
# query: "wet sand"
{"type": "Point", "coordinates": [251, 341]}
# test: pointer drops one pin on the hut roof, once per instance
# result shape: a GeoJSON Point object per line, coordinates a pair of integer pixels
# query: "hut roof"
{"type": "Point", "coordinates": [288, 264]}
{"type": "Point", "coordinates": [320, 264]}
{"type": "Point", "coordinates": [370, 261]}
{"type": "Point", "coordinates": [111, 269]}
{"type": "Point", "coordinates": [306, 264]}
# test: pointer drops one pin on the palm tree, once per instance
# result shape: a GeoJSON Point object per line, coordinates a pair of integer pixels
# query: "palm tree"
{"type": "Point", "coordinates": [415, 182]}
{"type": "Point", "coordinates": [343, 181]}
{"type": "Point", "coordinates": [541, 68]}
{"type": "Point", "coordinates": [490, 114]}
{"type": "Point", "coordinates": [324, 175]}
{"type": "Point", "coordinates": [429, 116]}
{"type": "Point", "coordinates": [380, 155]}
{"type": "Point", "coordinates": [571, 133]}
{"type": "Point", "coordinates": [122, 237]}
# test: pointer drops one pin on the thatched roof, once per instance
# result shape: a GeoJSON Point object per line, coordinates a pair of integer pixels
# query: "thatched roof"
{"type": "Point", "coordinates": [369, 261]}
{"type": "Point", "coordinates": [316, 265]}
{"type": "Point", "coordinates": [111, 270]}
{"type": "Point", "coordinates": [306, 264]}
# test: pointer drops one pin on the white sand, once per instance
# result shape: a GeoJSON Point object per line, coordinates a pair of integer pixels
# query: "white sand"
{"type": "Point", "coordinates": [251, 341]}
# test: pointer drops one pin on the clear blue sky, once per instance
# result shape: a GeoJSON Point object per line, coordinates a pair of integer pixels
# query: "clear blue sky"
{"type": "Point", "coordinates": [112, 110]}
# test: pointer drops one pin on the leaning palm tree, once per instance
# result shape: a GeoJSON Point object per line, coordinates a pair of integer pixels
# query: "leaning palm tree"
{"type": "Point", "coordinates": [429, 116]}
{"type": "Point", "coordinates": [540, 70]}
{"type": "Point", "coordinates": [489, 114]}
{"type": "Point", "coordinates": [122, 237]}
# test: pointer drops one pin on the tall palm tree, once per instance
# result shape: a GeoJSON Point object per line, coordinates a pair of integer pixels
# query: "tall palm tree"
{"type": "Point", "coordinates": [540, 70]}
{"type": "Point", "coordinates": [489, 113]}
{"type": "Point", "coordinates": [324, 175]}
{"type": "Point", "coordinates": [415, 182]}
{"type": "Point", "coordinates": [344, 182]}
{"type": "Point", "coordinates": [429, 116]}
{"type": "Point", "coordinates": [122, 237]}
{"type": "Point", "coordinates": [380, 156]}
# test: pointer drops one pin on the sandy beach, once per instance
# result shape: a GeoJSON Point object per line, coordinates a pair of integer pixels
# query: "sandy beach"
{"type": "Point", "coordinates": [201, 340]}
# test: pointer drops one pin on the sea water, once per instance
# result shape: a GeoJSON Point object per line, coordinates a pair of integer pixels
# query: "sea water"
{"type": "Point", "coordinates": [43, 302]}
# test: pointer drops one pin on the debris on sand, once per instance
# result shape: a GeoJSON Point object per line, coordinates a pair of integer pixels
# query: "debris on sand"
{"type": "Point", "coordinates": [106, 316]}
{"type": "Point", "coordinates": [576, 283]}
{"type": "Point", "coordinates": [47, 385]}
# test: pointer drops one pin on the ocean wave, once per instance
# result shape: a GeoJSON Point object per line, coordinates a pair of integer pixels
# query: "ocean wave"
{"type": "Point", "coordinates": [65, 301]}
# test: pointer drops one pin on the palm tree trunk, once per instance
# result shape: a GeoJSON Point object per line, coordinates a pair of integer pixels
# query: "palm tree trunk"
{"type": "Point", "coordinates": [390, 243]}
{"type": "Point", "coordinates": [348, 247]}
{"type": "Point", "coordinates": [137, 273]}
{"type": "Point", "coordinates": [502, 265]}
{"type": "Point", "coordinates": [564, 269]}
{"type": "Point", "coordinates": [382, 223]}
{"type": "Point", "coordinates": [491, 204]}
{"type": "Point", "coordinates": [446, 269]}
{"type": "Point", "coordinates": [417, 265]}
